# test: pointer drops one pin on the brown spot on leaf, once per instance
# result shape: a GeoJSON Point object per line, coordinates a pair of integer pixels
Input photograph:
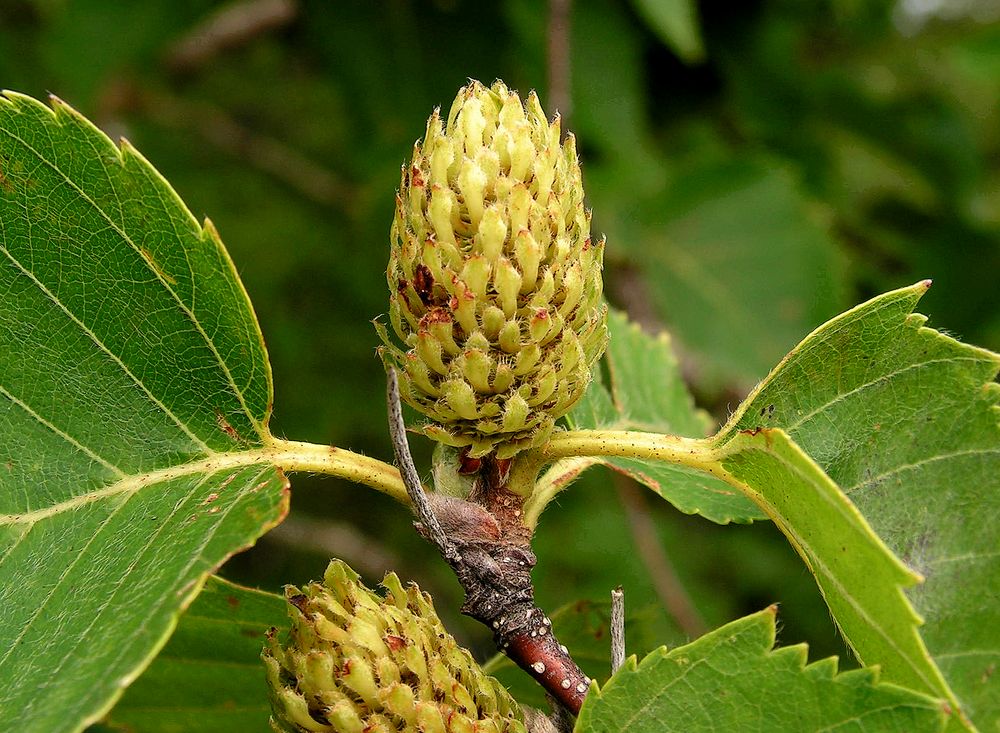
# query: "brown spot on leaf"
{"type": "Point", "coordinates": [225, 427]}
{"type": "Point", "coordinates": [395, 642]}
{"type": "Point", "coordinates": [299, 601]}
{"type": "Point", "coordinates": [156, 266]}
{"type": "Point", "coordinates": [233, 601]}
{"type": "Point", "coordinates": [988, 672]}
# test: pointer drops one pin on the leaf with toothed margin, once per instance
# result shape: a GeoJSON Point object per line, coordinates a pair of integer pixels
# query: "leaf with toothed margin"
{"type": "Point", "coordinates": [133, 382]}
{"type": "Point", "coordinates": [209, 675]}
{"type": "Point", "coordinates": [647, 393]}
{"type": "Point", "coordinates": [904, 420]}
{"type": "Point", "coordinates": [733, 680]}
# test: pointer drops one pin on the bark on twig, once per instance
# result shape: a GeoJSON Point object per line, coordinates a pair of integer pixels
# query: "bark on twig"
{"type": "Point", "coordinates": [488, 547]}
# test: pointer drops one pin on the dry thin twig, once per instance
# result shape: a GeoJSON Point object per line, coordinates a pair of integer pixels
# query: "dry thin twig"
{"type": "Point", "coordinates": [418, 498]}
{"type": "Point", "coordinates": [617, 629]}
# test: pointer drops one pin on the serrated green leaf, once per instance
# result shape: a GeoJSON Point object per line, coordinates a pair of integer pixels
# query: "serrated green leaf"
{"type": "Point", "coordinates": [648, 393]}
{"type": "Point", "coordinates": [905, 420]}
{"type": "Point", "coordinates": [860, 578]}
{"type": "Point", "coordinates": [133, 384]}
{"type": "Point", "coordinates": [861, 390]}
{"type": "Point", "coordinates": [732, 679]}
{"type": "Point", "coordinates": [209, 677]}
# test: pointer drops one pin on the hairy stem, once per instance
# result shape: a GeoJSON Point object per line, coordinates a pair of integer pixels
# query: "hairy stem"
{"type": "Point", "coordinates": [578, 449]}
{"type": "Point", "coordinates": [292, 455]}
{"type": "Point", "coordinates": [694, 452]}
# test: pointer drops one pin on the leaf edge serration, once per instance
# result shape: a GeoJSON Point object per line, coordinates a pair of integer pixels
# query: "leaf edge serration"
{"type": "Point", "coordinates": [125, 153]}
{"type": "Point", "coordinates": [762, 627]}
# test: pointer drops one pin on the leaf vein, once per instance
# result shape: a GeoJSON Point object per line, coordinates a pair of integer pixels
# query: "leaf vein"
{"type": "Point", "coordinates": [159, 276]}
{"type": "Point", "coordinates": [83, 636]}
{"type": "Point", "coordinates": [861, 387]}
{"type": "Point", "coordinates": [61, 433]}
{"type": "Point", "coordinates": [104, 348]}
{"type": "Point", "coordinates": [917, 464]}
{"type": "Point", "coordinates": [139, 629]}
{"type": "Point", "coordinates": [130, 484]}
{"type": "Point", "coordinates": [62, 577]}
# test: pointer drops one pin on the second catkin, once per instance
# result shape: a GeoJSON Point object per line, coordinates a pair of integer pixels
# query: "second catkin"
{"type": "Point", "coordinates": [356, 662]}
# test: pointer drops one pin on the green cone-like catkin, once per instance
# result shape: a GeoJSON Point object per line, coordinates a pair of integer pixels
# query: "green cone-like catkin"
{"type": "Point", "coordinates": [355, 661]}
{"type": "Point", "coordinates": [495, 284]}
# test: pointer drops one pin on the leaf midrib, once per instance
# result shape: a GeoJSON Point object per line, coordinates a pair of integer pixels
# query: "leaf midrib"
{"type": "Point", "coordinates": [212, 463]}
{"type": "Point", "coordinates": [138, 631]}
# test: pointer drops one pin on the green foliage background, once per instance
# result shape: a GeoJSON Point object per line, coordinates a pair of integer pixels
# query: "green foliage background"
{"type": "Point", "coordinates": [757, 168]}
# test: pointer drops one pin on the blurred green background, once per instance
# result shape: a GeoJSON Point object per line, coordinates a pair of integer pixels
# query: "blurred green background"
{"type": "Point", "coordinates": [757, 168]}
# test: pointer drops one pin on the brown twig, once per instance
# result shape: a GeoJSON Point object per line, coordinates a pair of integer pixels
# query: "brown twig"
{"type": "Point", "coordinates": [668, 586]}
{"type": "Point", "coordinates": [487, 546]}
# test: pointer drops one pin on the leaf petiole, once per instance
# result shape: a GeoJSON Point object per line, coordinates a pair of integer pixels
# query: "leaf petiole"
{"type": "Point", "coordinates": [293, 455]}
{"type": "Point", "coordinates": [577, 449]}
